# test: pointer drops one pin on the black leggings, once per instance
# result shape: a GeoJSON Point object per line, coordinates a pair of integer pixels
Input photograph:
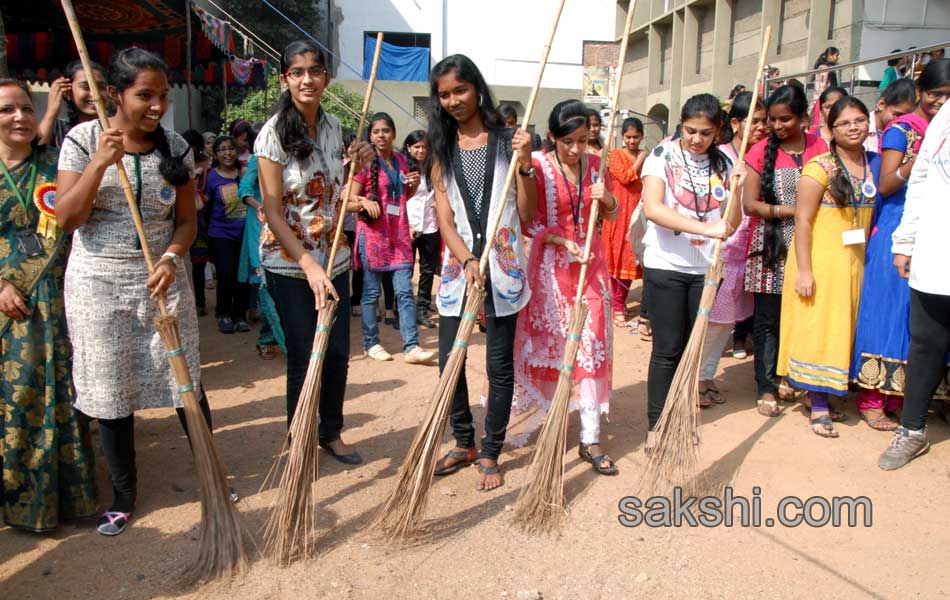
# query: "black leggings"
{"type": "Point", "coordinates": [118, 445]}
{"type": "Point", "coordinates": [674, 302]}
{"type": "Point", "coordinates": [766, 323]}
{"type": "Point", "coordinates": [427, 247]}
{"type": "Point", "coordinates": [233, 296]}
{"type": "Point", "coordinates": [927, 355]}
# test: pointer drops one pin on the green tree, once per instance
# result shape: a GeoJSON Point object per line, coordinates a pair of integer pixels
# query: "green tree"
{"type": "Point", "coordinates": [258, 105]}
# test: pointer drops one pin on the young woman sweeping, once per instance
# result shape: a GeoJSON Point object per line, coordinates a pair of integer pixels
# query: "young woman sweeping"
{"type": "Point", "coordinates": [768, 198]}
{"type": "Point", "coordinates": [47, 461]}
{"type": "Point", "coordinates": [836, 197]}
{"type": "Point", "coordinates": [684, 185]}
{"type": "Point", "coordinates": [384, 243]}
{"type": "Point", "coordinates": [299, 152]}
{"type": "Point", "coordinates": [228, 212]}
{"type": "Point", "coordinates": [73, 90]}
{"type": "Point", "coordinates": [882, 339]}
{"type": "Point", "coordinates": [625, 185]}
{"type": "Point", "coordinates": [920, 247]}
{"type": "Point", "coordinates": [733, 304]}
{"type": "Point", "coordinates": [423, 226]}
{"type": "Point", "coordinates": [470, 152]}
{"type": "Point", "coordinates": [119, 362]}
{"type": "Point", "coordinates": [566, 189]}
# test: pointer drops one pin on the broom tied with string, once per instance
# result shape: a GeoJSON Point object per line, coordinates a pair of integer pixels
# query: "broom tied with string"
{"type": "Point", "coordinates": [291, 527]}
{"type": "Point", "coordinates": [221, 541]}
{"type": "Point", "coordinates": [540, 507]}
{"type": "Point", "coordinates": [675, 458]}
{"type": "Point", "coordinates": [401, 514]}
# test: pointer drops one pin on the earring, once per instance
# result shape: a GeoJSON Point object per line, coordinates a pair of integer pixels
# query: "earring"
{"type": "Point", "coordinates": [481, 99]}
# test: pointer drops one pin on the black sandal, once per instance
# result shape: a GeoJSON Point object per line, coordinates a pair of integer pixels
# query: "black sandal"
{"type": "Point", "coordinates": [597, 461]}
{"type": "Point", "coordinates": [353, 458]}
{"type": "Point", "coordinates": [823, 426]}
{"type": "Point", "coordinates": [454, 454]}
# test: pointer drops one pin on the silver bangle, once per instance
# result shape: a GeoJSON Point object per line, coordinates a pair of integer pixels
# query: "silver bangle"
{"type": "Point", "coordinates": [899, 176]}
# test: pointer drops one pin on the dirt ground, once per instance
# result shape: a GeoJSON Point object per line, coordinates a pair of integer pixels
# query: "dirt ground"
{"type": "Point", "coordinates": [473, 551]}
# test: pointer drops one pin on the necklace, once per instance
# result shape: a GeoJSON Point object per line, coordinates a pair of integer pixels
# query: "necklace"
{"type": "Point", "coordinates": [575, 209]}
{"type": "Point", "coordinates": [700, 215]}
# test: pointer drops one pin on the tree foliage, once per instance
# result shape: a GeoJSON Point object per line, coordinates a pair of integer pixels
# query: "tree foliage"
{"type": "Point", "coordinates": [258, 105]}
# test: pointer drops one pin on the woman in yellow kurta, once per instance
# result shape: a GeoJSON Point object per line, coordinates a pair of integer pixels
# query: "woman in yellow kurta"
{"type": "Point", "coordinates": [834, 207]}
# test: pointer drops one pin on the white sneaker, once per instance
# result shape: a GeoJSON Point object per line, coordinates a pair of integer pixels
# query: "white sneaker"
{"type": "Point", "coordinates": [417, 355]}
{"type": "Point", "coordinates": [377, 352]}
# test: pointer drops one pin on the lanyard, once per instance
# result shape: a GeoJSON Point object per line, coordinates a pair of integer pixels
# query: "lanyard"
{"type": "Point", "coordinates": [575, 208]}
{"type": "Point", "coordinates": [699, 215]}
{"type": "Point", "coordinates": [854, 196]}
{"type": "Point", "coordinates": [392, 174]}
{"type": "Point", "coordinates": [15, 187]}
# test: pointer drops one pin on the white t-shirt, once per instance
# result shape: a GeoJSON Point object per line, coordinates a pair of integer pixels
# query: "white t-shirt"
{"type": "Point", "coordinates": [686, 177]}
{"type": "Point", "coordinates": [420, 209]}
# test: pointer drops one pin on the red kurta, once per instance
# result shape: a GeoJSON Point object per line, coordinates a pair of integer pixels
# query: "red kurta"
{"type": "Point", "coordinates": [625, 184]}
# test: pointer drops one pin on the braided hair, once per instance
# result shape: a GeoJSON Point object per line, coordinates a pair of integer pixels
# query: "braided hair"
{"type": "Point", "coordinates": [839, 184]}
{"type": "Point", "coordinates": [774, 250]}
{"type": "Point", "coordinates": [373, 192]}
{"type": "Point", "coordinates": [123, 71]}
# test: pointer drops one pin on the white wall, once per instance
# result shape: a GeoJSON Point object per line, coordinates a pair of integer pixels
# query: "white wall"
{"type": "Point", "coordinates": [503, 37]}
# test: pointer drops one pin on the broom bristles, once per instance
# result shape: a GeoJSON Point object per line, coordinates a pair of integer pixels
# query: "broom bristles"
{"type": "Point", "coordinates": [221, 538]}
{"type": "Point", "coordinates": [291, 527]}
{"type": "Point", "coordinates": [400, 516]}
{"type": "Point", "coordinates": [675, 458]}
{"type": "Point", "coordinates": [541, 506]}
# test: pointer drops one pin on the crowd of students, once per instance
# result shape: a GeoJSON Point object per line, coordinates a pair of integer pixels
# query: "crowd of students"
{"type": "Point", "coordinates": [809, 259]}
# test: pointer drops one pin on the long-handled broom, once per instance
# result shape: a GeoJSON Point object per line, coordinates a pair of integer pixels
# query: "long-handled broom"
{"type": "Point", "coordinates": [540, 505]}
{"type": "Point", "coordinates": [221, 549]}
{"type": "Point", "coordinates": [675, 458]}
{"type": "Point", "coordinates": [292, 523]}
{"type": "Point", "coordinates": [402, 513]}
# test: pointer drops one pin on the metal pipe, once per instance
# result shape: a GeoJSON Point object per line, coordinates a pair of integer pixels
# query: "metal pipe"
{"type": "Point", "coordinates": [860, 63]}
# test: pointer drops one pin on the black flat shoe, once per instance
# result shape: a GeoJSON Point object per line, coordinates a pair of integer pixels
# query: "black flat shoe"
{"type": "Point", "coordinates": [353, 458]}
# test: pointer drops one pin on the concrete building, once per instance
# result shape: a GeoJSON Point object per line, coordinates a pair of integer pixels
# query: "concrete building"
{"type": "Point", "coordinates": [684, 47]}
{"type": "Point", "coordinates": [503, 38]}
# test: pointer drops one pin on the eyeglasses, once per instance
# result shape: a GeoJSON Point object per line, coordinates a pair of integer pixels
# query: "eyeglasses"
{"type": "Point", "coordinates": [858, 123]}
{"type": "Point", "coordinates": [315, 72]}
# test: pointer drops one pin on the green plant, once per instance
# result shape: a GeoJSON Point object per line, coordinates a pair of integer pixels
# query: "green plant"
{"type": "Point", "coordinates": [258, 105]}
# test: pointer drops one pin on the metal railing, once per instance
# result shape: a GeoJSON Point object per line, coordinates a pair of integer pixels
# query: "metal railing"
{"type": "Point", "coordinates": [857, 63]}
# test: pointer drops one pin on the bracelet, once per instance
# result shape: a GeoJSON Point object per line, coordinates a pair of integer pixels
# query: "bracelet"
{"type": "Point", "coordinates": [775, 211]}
{"type": "Point", "coordinates": [615, 208]}
{"type": "Point", "coordinates": [899, 176]}
{"type": "Point", "coordinates": [468, 260]}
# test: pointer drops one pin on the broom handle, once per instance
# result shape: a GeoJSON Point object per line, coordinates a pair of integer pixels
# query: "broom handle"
{"type": "Point", "coordinates": [361, 128]}
{"type": "Point", "coordinates": [766, 37]}
{"type": "Point", "coordinates": [605, 153]}
{"type": "Point", "coordinates": [104, 121]}
{"type": "Point", "coordinates": [529, 109]}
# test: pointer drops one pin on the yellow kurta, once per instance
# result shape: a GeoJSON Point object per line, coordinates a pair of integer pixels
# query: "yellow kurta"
{"type": "Point", "coordinates": [817, 333]}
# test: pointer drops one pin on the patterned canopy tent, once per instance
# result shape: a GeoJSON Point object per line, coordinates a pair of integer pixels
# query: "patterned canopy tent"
{"type": "Point", "coordinates": [39, 44]}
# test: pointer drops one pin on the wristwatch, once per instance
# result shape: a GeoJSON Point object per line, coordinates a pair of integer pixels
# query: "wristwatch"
{"type": "Point", "coordinates": [176, 260]}
{"type": "Point", "coordinates": [528, 173]}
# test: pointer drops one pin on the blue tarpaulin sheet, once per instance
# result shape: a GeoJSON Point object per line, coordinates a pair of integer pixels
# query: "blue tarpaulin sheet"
{"type": "Point", "coordinates": [396, 63]}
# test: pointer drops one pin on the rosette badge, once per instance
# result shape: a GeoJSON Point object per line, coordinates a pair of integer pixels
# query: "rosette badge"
{"type": "Point", "coordinates": [44, 197]}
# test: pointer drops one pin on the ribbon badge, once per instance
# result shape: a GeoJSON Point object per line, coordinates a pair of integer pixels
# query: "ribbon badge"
{"type": "Point", "coordinates": [44, 197]}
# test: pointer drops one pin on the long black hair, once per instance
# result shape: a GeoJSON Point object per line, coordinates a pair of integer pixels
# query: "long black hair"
{"type": "Point", "coordinates": [373, 192]}
{"type": "Point", "coordinates": [291, 128]}
{"type": "Point", "coordinates": [831, 89]}
{"type": "Point", "coordinates": [124, 69]}
{"type": "Point", "coordinates": [773, 248]}
{"type": "Point", "coordinates": [739, 110]}
{"type": "Point", "coordinates": [707, 106]}
{"type": "Point", "coordinates": [73, 114]}
{"type": "Point", "coordinates": [443, 128]}
{"type": "Point", "coordinates": [823, 57]}
{"type": "Point", "coordinates": [840, 184]}
{"type": "Point", "coordinates": [412, 139]}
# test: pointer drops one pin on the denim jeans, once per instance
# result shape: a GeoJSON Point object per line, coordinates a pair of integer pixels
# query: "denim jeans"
{"type": "Point", "coordinates": [296, 306]}
{"type": "Point", "coordinates": [402, 283]}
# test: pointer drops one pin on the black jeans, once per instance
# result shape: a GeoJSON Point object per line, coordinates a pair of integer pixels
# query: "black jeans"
{"type": "Point", "coordinates": [356, 296]}
{"type": "Point", "coordinates": [499, 360]}
{"type": "Point", "coordinates": [233, 296]}
{"type": "Point", "coordinates": [766, 320]}
{"type": "Point", "coordinates": [427, 247]}
{"type": "Point", "coordinates": [296, 307]}
{"type": "Point", "coordinates": [117, 437]}
{"type": "Point", "coordinates": [198, 279]}
{"type": "Point", "coordinates": [743, 330]}
{"type": "Point", "coordinates": [927, 355]}
{"type": "Point", "coordinates": [674, 302]}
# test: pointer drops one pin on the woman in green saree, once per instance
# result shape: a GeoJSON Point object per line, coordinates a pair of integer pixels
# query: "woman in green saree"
{"type": "Point", "coordinates": [47, 463]}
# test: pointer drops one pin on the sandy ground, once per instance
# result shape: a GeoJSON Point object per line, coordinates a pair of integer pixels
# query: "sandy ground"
{"type": "Point", "coordinates": [473, 551]}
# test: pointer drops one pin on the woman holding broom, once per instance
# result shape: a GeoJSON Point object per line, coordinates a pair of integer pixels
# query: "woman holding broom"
{"type": "Point", "coordinates": [567, 187]}
{"type": "Point", "coordinates": [775, 166]}
{"type": "Point", "coordinates": [299, 152]}
{"type": "Point", "coordinates": [836, 198]}
{"type": "Point", "coordinates": [470, 152]}
{"type": "Point", "coordinates": [119, 365]}
{"type": "Point", "coordinates": [46, 460]}
{"type": "Point", "coordinates": [684, 189]}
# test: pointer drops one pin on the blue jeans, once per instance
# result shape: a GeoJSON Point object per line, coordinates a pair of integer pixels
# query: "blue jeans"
{"type": "Point", "coordinates": [402, 283]}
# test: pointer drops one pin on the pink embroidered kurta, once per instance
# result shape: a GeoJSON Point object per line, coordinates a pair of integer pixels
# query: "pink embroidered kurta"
{"type": "Point", "coordinates": [387, 238]}
{"type": "Point", "coordinates": [544, 323]}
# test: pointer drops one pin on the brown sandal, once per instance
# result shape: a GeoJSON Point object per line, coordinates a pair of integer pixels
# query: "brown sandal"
{"type": "Point", "coordinates": [644, 329]}
{"type": "Point", "coordinates": [620, 320]}
{"type": "Point", "coordinates": [767, 406]}
{"type": "Point", "coordinates": [877, 420]}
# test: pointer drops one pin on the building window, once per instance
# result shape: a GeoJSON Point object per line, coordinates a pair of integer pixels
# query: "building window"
{"type": "Point", "coordinates": [420, 107]}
